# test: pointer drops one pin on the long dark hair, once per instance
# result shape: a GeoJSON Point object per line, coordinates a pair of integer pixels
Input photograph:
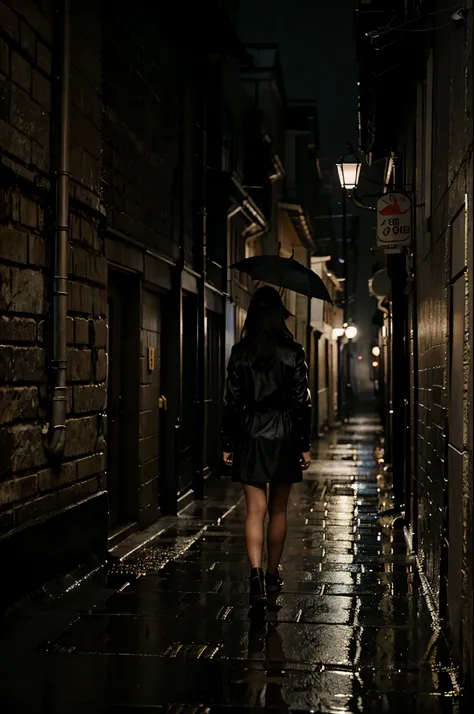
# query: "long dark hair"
{"type": "Point", "coordinates": [265, 328]}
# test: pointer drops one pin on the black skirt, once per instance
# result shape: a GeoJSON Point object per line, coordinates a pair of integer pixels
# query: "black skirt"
{"type": "Point", "coordinates": [266, 450]}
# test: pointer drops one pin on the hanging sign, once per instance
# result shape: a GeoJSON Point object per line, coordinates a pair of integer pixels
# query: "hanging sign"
{"type": "Point", "coordinates": [394, 221]}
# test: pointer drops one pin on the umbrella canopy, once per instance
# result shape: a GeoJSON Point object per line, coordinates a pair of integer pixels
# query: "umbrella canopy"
{"type": "Point", "coordinates": [284, 273]}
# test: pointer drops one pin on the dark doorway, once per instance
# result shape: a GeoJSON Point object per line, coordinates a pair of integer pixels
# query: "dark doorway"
{"type": "Point", "coordinates": [214, 388]}
{"type": "Point", "coordinates": [189, 383]}
{"type": "Point", "coordinates": [170, 400]}
{"type": "Point", "coordinates": [123, 400]}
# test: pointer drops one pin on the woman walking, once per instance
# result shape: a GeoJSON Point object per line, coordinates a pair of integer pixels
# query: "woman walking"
{"type": "Point", "coordinates": [266, 434]}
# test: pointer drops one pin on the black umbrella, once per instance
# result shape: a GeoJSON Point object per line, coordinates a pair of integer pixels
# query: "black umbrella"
{"type": "Point", "coordinates": [284, 273]}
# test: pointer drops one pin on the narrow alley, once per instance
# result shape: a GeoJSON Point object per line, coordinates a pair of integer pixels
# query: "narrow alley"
{"type": "Point", "coordinates": [232, 231]}
{"type": "Point", "coordinates": [171, 630]}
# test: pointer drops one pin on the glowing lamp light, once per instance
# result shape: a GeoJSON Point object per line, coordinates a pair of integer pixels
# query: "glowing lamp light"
{"type": "Point", "coordinates": [359, 358]}
{"type": "Point", "coordinates": [376, 351]}
{"type": "Point", "coordinates": [375, 364]}
{"type": "Point", "coordinates": [337, 332]}
{"type": "Point", "coordinates": [348, 170]}
{"type": "Point", "coordinates": [351, 332]}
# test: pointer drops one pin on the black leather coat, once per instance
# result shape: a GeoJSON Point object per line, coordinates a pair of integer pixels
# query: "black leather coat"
{"type": "Point", "coordinates": [267, 416]}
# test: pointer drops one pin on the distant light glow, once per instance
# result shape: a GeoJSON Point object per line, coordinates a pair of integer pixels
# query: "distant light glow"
{"type": "Point", "coordinates": [351, 332]}
{"type": "Point", "coordinates": [375, 364]}
{"type": "Point", "coordinates": [376, 351]}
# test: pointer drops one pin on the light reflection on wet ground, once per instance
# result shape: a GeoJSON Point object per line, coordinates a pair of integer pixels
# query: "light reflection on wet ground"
{"type": "Point", "coordinates": [351, 631]}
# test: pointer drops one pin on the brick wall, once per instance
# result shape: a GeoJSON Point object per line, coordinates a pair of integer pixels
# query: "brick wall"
{"type": "Point", "coordinates": [444, 310]}
{"type": "Point", "coordinates": [432, 404]}
{"type": "Point", "coordinates": [25, 68]}
{"type": "Point", "coordinates": [434, 145]}
{"type": "Point", "coordinates": [140, 172]}
{"type": "Point", "coordinates": [131, 202]}
{"type": "Point", "coordinates": [29, 488]}
{"type": "Point", "coordinates": [147, 185]}
{"type": "Point", "coordinates": [87, 303]}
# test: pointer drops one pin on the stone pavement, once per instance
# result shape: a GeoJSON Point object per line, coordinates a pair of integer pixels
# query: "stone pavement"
{"type": "Point", "coordinates": [171, 631]}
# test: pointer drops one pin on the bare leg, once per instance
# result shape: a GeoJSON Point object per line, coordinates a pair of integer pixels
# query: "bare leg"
{"type": "Point", "coordinates": [254, 523]}
{"type": "Point", "coordinates": [276, 534]}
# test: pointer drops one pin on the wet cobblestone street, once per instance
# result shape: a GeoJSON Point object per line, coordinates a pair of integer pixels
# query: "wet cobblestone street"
{"type": "Point", "coordinates": [172, 632]}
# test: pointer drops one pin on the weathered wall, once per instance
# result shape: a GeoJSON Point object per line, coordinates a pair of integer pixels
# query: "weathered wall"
{"type": "Point", "coordinates": [29, 488]}
{"type": "Point", "coordinates": [143, 113]}
{"type": "Point", "coordinates": [432, 403]}
{"type": "Point", "coordinates": [140, 172]}
{"type": "Point", "coordinates": [127, 197]}
{"type": "Point", "coordinates": [444, 309]}
{"type": "Point", "coordinates": [131, 210]}
{"type": "Point", "coordinates": [27, 253]}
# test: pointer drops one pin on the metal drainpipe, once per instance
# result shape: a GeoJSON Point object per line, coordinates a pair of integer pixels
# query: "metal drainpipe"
{"type": "Point", "coordinates": [345, 356]}
{"type": "Point", "coordinates": [201, 237]}
{"type": "Point", "coordinates": [309, 329]}
{"type": "Point", "coordinates": [56, 436]}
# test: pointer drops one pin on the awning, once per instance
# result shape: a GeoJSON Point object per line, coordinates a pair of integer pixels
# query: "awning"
{"type": "Point", "coordinates": [246, 206]}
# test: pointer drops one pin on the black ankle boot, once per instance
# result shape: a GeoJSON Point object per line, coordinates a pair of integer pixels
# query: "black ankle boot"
{"type": "Point", "coordinates": [258, 593]}
{"type": "Point", "coordinates": [273, 582]}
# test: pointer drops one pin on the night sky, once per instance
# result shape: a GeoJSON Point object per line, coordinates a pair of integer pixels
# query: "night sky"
{"type": "Point", "coordinates": [317, 52]}
{"type": "Point", "coordinates": [318, 57]}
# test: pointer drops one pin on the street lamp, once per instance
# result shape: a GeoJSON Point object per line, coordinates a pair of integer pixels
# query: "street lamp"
{"type": "Point", "coordinates": [348, 169]}
{"type": "Point", "coordinates": [376, 351]}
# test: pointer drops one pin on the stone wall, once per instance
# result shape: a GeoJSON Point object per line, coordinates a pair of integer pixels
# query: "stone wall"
{"type": "Point", "coordinates": [29, 488]}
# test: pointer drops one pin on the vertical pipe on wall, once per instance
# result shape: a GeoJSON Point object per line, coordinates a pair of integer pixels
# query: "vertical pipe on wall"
{"type": "Point", "coordinates": [344, 255]}
{"type": "Point", "coordinates": [345, 347]}
{"type": "Point", "coordinates": [200, 234]}
{"type": "Point", "coordinates": [309, 329]}
{"type": "Point", "coordinates": [389, 392]}
{"type": "Point", "coordinates": [414, 390]}
{"type": "Point", "coordinates": [397, 273]}
{"type": "Point", "coordinates": [171, 357]}
{"type": "Point", "coordinates": [174, 317]}
{"type": "Point", "coordinates": [56, 437]}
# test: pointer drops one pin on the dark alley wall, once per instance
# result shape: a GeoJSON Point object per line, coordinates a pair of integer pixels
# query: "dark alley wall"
{"type": "Point", "coordinates": [432, 138]}
{"type": "Point", "coordinates": [129, 203]}
{"type": "Point", "coordinates": [161, 138]}
{"type": "Point", "coordinates": [444, 303]}
{"type": "Point", "coordinates": [29, 488]}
